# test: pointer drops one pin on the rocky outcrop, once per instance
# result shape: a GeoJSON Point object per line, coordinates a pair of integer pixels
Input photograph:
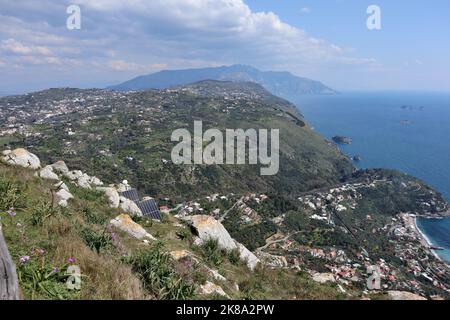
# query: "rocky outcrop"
{"type": "Point", "coordinates": [124, 223]}
{"type": "Point", "coordinates": [129, 207]}
{"type": "Point", "coordinates": [62, 197]}
{"type": "Point", "coordinates": [210, 288]}
{"type": "Point", "coordinates": [112, 195]}
{"type": "Point", "coordinates": [206, 228]}
{"type": "Point", "coordinates": [403, 295]}
{"type": "Point", "coordinates": [47, 173]}
{"type": "Point", "coordinates": [60, 167]}
{"type": "Point", "coordinates": [272, 261]}
{"type": "Point", "coordinates": [323, 277]}
{"type": "Point", "coordinates": [21, 157]}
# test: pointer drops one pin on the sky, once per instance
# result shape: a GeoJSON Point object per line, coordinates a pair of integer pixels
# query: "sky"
{"type": "Point", "coordinates": [326, 40]}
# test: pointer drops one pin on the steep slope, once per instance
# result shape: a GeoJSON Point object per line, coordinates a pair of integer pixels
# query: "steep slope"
{"type": "Point", "coordinates": [283, 84]}
{"type": "Point", "coordinates": [128, 135]}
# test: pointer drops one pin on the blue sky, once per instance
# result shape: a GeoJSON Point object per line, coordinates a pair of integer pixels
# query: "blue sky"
{"type": "Point", "coordinates": [326, 40]}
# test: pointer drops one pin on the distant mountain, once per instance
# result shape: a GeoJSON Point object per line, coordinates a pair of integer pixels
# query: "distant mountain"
{"type": "Point", "coordinates": [283, 84]}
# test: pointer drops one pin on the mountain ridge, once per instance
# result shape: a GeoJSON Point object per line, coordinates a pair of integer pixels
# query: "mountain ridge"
{"type": "Point", "coordinates": [280, 83]}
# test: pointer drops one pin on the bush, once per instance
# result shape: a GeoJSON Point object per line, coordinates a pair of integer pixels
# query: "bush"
{"type": "Point", "coordinates": [11, 195]}
{"type": "Point", "coordinates": [212, 252]}
{"type": "Point", "coordinates": [184, 234]}
{"type": "Point", "coordinates": [157, 271]}
{"type": "Point", "coordinates": [43, 210]}
{"type": "Point", "coordinates": [96, 240]}
{"type": "Point", "coordinates": [234, 257]}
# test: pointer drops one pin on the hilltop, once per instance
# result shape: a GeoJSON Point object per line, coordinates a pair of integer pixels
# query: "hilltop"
{"type": "Point", "coordinates": [283, 84]}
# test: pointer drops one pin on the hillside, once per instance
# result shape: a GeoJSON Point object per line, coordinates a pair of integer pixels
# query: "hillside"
{"type": "Point", "coordinates": [283, 84]}
{"type": "Point", "coordinates": [310, 232]}
{"type": "Point", "coordinates": [128, 135]}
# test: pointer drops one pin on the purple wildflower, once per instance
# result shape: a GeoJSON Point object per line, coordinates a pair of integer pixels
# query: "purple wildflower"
{"type": "Point", "coordinates": [55, 270]}
{"type": "Point", "coordinates": [24, 259]}
{"type": "Point", "coordinates": [71, 260]}
{"type": "Point", "coordinates": [12, 212]}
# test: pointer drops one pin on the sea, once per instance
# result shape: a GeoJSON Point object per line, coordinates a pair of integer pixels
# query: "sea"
{"type": "Point", "coordinates": [407, 131]}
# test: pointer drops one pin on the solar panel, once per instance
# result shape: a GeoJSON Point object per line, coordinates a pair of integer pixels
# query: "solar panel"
{"type": "Point", "coordinates": [131, 194]}
{"type": "Point", "coordinates": [150, 209]}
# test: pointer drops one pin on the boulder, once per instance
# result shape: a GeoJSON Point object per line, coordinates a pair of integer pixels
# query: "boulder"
{"type": "Point", "coordinates": [60, 166]}
{"type": "Point", "coordinates": [62, 197]}
{"type": "Point", "coordinates": [210, 288]}
{"type": "Point", "coordinates": [112, 195]}
{"type": "Point", "coordinates": [124, 223]}
{"type": "Point", "coordinates": [61, 185]}
{"type": "Point", "coordinates": [95, 181]}
{"type": "Point", "coordinates": [208, 228]}
{"type": "Point", "coordinates": [21, 157]}
{"type": "Point", "coordinates": [73, 175]}
{"type": "Point", "coordinates": [272, 260]}
{"type": "Point", "coordinates": [128, 206]}
{"type": "Point", "coordinates": [403, 295]}
{"type": "Point", "coordinates": [84, 181]}
{"type": "Point", "coordinates": [324, 277]}
{"type": "Point", "coordinates": [47, 173]}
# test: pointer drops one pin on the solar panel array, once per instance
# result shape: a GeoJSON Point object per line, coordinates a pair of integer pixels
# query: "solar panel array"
{"type": "Point", "coordinates": [149, 208]}
{"type": "Point", "coordinates": [131, 194]}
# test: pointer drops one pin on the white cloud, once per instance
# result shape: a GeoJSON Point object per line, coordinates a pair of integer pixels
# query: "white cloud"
{"type": "Point", "coordinates": [305, 10]}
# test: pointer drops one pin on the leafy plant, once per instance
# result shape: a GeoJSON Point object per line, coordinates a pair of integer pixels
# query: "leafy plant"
{"type": "Point", "coordinates": [42, 211]}
{"type": "Point", "coordinates": [234, 257]}
{"type": "Point", "coordinates": [157, 271]}
{"type": "Point", "coordinates": [212, 252]}
{"type": "Point", "coordinates": [96, 240]}
{"type": "Point", "coordinates": [11, 194]}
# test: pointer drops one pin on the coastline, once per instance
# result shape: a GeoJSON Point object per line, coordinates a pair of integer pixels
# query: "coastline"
{"type": "Point", "coordinates": [426, 241]}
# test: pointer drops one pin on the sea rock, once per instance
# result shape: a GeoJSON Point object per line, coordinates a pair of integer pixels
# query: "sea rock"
{"type": "Point", "coordinates": [208, 228]}
{"type": "Point", "coordinates": [124, 223]}
{"type": "Point", "coordinates": [129, 207]}
{"type": "Point", "coordinates": [324, 277]}
{"type": "Point", "coordinates": [112, 195]}
{"type": "Point", "coordinates": [60, 166]}
{"type": "Point", "coordinates": [210, 288]}
{"type": "Point", "coordinates": [62, 197]}
{"type": "Point", "coordinates": [403, 295]}
{"type": "Point", "coordinates": [47, 173]}
{"type": "Point", "coordinates": [21, 157]}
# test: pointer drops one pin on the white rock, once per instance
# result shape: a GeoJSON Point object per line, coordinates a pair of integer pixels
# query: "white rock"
{"type": "Point", "coordinates": [96, 181]}
{"type": "Point", "coordinates": [210, 288]}
{"type": "Point", "coordinates": [47, 173]}
{"type": "Point", "coordinates": [112, 195]}
{"type": "Point", "coordinates": [61, 185]}
{"type": "Point", "coordinates": [324, 277]}
{"type": "Point", "coordinates": [73, 175]}
{"type": "Point", "coordinates": [128, 206]}
{"type": "Point", "coordinates": [216, 275]}
{"type": "Point", "coordinates": [60, 166]}
{"type": "Point", "coordinates": [126, 224]}
{"type": "Point", "coordinates": [62, 197]}
{"type": "Point", "coordinates": [403, 295]}
{"type": "Point", "coordinates": [23, 158]}
{"type": "Point", "coordinates": [84, 181]}
{"type": "Point", "coordinates": [209, 228]}
{"type": "Point", "coordinates": [6, 152]}
{"type": "Point", "coordinates": [272, 260]}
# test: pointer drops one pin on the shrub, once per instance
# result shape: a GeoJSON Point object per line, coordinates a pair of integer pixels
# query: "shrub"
{"type": "Point", "coordinates": [96, 240]}
{"type": "Point", "coordinates": [11, 194]}
{"type": "Point", "coordinates": [156, 268]}
{"type": "Point", "coordinates": [43, 210]}
{"type": "Point", "coordinates": [212, 252]}
{"type": "Point", "coordinates": [234, 257]}
{"type": "Point", "coordinates": [184, 234]}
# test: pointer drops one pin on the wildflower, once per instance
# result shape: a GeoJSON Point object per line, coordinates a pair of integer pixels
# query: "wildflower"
{"type": "Point", "coordinates": [24, 259]}
{"type": "Point", "coordinates": [39, 252]}
{"type": "Point", "coordinates": [12, 212]}
{"type": "Point", "coordinates": [55, 270]}
{"type": "Point", "coordinates": [71, 260]}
